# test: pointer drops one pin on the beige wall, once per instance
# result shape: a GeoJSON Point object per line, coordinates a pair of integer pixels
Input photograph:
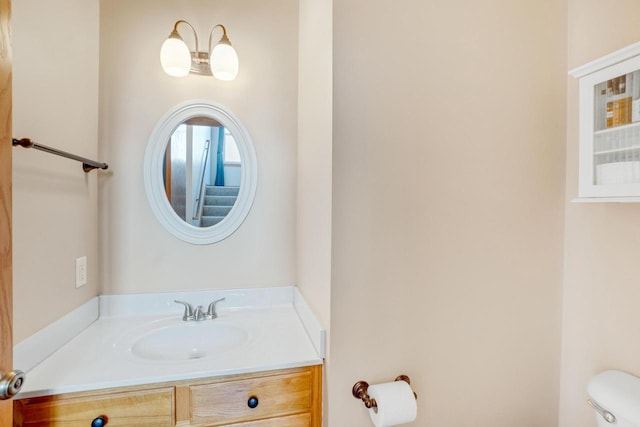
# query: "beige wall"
{"type": "Point", "coordinates": [313, 228]}
{"type": "Point", "coordinates": [136, 253]}
{"type": "Point", "coordinates": [449, 271]}
{"type": "Point", "coordinates": [314, 148]}
{"type": "Point", "coordinates": [600, 309]}
{"type": "Point", "coordinates": [448, 170]}
{"type": "Point", "coordinates": [55, 102]}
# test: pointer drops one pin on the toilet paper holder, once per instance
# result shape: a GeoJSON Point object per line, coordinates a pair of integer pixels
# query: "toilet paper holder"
{"type": "Point", "coordinates": [360, 388]}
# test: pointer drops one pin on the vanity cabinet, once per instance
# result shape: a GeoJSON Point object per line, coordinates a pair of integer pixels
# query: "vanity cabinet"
{"type": "Point", "coordinates": [609, 127]}
{"type": "Point", "coordinates": [283, 398]}
{"type": "Point", "coordinates": [122, 407]}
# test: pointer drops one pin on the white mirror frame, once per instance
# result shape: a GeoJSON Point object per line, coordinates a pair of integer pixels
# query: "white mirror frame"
{"type": "Point", "coordinates": [154, 185]}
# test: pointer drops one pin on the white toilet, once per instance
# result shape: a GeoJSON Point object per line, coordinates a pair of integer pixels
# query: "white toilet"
{"type": "Point", "coordinates": [615, 398]}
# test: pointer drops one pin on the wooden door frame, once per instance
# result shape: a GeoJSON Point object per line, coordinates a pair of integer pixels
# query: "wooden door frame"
{"type": "Point", "coordinates": [6, 255]}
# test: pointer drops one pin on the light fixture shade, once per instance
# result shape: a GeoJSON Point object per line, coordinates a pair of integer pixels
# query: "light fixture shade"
{"type": "Point", "coordinates": [175, 57]}
{"type": "Point", "coordinates": [224, 62]}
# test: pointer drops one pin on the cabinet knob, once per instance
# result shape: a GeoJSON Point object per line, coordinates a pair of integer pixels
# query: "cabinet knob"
{"type": "Point", "coordinates": [100, 421]}
{"type": "Point", "coordinates": [253, 402]}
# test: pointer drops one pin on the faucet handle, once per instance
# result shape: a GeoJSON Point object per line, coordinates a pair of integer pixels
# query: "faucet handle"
{"type": "Point", "coordinates": [211, 311]}
{"type": "Point", "coordinates": [188, 310]}
{"type": "Point", "coordinates": [199, 314]}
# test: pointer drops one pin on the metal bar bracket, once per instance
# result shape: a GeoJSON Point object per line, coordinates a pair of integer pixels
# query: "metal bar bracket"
{"type": "Point", "coordinates": [360, 388]}
{"type": "Point", "coordinates": [87, 164]}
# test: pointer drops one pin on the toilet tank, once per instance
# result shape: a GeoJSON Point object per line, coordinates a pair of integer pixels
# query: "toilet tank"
{"type": "Point", "coordinates": [618, 393]}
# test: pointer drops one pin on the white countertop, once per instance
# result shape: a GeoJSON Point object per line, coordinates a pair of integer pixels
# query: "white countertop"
{"type": "Point", "coordinates": [282, 333]}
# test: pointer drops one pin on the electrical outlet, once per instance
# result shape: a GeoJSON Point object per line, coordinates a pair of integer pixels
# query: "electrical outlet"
{"type": "Point", "coordinates": [81, 271]}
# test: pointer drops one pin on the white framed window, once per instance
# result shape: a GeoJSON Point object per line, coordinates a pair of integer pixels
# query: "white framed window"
{"type": "Point", "coordinates": [231, 152]}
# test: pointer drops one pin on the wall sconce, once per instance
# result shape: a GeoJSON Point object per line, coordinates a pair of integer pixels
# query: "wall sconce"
{"type": "Point", "coordinates": [178, 61]}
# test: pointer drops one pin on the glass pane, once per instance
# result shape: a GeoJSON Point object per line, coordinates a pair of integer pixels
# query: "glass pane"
{"type": "Point", "coordinates": [231, 153]}
{"type": "Point", "coordinates": [617, 130]}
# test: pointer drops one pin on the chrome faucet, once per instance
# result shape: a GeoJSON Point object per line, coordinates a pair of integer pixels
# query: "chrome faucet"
{"type": "Point", "coordinates": [211, 311]}
{"type": "Point", "coordinates": [188, 310]}
{"type": "Point", "coordinates": [198, 314]}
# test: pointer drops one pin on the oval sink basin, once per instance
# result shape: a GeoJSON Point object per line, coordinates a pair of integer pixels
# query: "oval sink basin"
{"type": "Point", "coordinates": [182, 341]}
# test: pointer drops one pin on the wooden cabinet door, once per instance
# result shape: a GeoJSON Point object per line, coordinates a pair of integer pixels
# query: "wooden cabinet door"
{"type": "Point", "coordinates": [226, 403]}
{"type": "Point", "coordinates": [301, 420]}
{"type": "Point", "coordinates": [128, 408]}
{"type": "Point", "coordinates": [286, 398]}
{"type": "Point", "coordinates": [6, 278]}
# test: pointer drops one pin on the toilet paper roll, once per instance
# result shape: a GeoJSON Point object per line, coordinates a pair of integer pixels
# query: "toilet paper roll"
{"type": "Point", "coordinates": [396, 404]}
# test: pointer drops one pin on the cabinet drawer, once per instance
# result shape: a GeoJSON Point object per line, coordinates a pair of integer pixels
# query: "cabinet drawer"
{"type": "Point", "coordinates": [302, 420]}
{"type": "Point", "coordinates": [151, 408]}
{"type": "Point", "coordinates": [226, 403]}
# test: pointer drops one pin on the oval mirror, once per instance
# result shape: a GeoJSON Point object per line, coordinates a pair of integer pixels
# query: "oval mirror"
{"type": "Point", "coordinates": [200, 172]}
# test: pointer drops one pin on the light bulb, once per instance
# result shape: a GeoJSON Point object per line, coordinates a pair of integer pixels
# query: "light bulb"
{"type": "Point", "coordinates": [175, 57]}
{"type": "Point", "coordinates": [224, 62]}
